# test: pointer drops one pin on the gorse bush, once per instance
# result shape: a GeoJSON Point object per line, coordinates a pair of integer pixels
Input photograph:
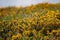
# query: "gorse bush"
{"type": "Point", "coordinates": [30, 23]}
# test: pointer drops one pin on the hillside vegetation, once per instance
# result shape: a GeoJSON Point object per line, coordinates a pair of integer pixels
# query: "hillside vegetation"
{"type": "Point", "coordinates": [35, 22]}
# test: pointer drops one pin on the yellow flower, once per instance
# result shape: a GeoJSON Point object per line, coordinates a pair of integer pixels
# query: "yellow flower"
{"type": "Point", "coordinates": [46, 37]}
{"type": "Point", "coordinates": [54, 31]}
{"type": "Point", "coordinates": [13, 37]}
{"type": "Point", "coordinates": [18, 35]}
{"type": "Point", "coordinates": [53, 11]}
{"type": "Point", "coordinates": [26, 33]}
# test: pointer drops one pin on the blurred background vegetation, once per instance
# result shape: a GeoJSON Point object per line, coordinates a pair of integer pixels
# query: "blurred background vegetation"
{"type": "Point", "coordinates": [35, 22]}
